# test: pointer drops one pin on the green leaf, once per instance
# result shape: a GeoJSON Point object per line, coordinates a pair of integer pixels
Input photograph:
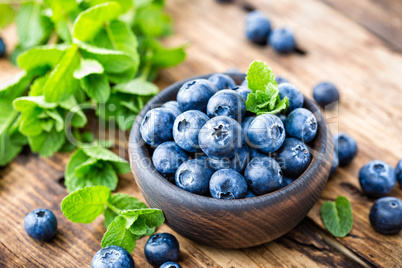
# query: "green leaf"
{"type": "Point", "coordinates": [33, 27]}
{"type": "Point", "coordinates": [118, 235]}
{"type": "Point", "coordinates": [137, 87]}
{"type": "Point", "coordinates": [61, 83]}
{"type": "Point", "coordinates": [168, 57]}
{"type": "Point", "coordinates": [76, 159]}
{"type": "Point", "coordinates": [63, 30]}
{"type": "Point", "coordinates": [119, 164]}
{"type": "Point", "coordinates": [152, 21]}
{"type": "Point", "coordinates": [85, 205]}
{"type": "Point", "coordinates": [141, 220]}
{"type": "Point", "coordinates": [337, 216]}
{"type": "Point", "coordinates": [15, 87]}
{"type": "Point", "coordinates": [61, 8]}
{"type": "Point", "coordinates": [29, 102]}
{"type": "Point", "coordinates": [49, 57]}
{"type": "Point", "coordinates": [91, 21]}
{"type": "Point", "coordinates": [280, 107]}
{"type": "Point", "coordinates": [122, 202]}
{"type": "Point", "coordinates": [47, 143]}
{"type": "Point", "coordinates": [36, 88]}
{"type": "Point", "coordinates": [88, 67]}
{"type": "Point", "coordinates": [97, 87]}
{"type": "Point", "coordinates": [259, 75]}
{"type": "Point", "coordinates": [75, 116]}
{"type": "Point", "coordinates": [6, 15]}
{"type": "Point", "coordinates": [125, 4]}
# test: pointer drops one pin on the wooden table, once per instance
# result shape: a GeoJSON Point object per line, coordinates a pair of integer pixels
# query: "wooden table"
{"type": "Point", "coordinates": [357, 46]}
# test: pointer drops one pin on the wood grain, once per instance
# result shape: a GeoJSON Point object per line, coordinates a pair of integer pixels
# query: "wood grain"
{"type": "Point", "coordinates": [338, 49]}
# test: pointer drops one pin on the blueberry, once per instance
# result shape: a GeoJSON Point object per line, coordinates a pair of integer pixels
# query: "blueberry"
{"type": "Point", "coordinates": [346, 148]}
{"type": "Point", "coordinates": [377, 178]}
{"type": "Point", "coordinates": [167, 158]}
{"type": "Point", "coordinates": [222, 81]}
{"type": "Point", "coordinates": [398, 172]}
{"type": "Point", "coordinates": [195, 94]}
{"type": "Point", "coordinates": [266, 133]}
{"type": "Point", "coordinates": [194, 175]}
{"type": "Point", "coordinates": [238, 162]}
{"type": "Point", "coordinates": [246, 123]}
{"type": "Point", "coordinates": [227, 103]}
{"type": "Point", "coordinates": [173, 106]}
{"type": "Point", "coordinates": [161, 248]}
{"type": "Point", "coordinates": [172, 264]}
{"type": "Point", "coordinates": [41, 224]}
{"type": "Point", "coordinates": [242, 91]}
{"type": "Point", "coordinates": [157, 125]}
{"type": "Point", "coordinates": [286, 181]}
{"type": "Point", "coordinates": [282, 40]}
{"type": "Point", "coordinates": [227, 184]}
{"type": "Point", "coordinates": [244, 83]}
{"type": "Point", "coordinates": [186, 128]}
{"type": "Point", "coordinates": [2, 48]}
{"type": "Point", "coordinates": [263, 175]}
{"type": "Point", "coordinates": [386, 215]}
{"type": "Point", "coordinates": [282, 117]}
{"type": "Point", "coordinates": [325, 93]}
{"type": "Point", "coordinates": [258, 27]}
{"type": "Point", "coordinates": [294, 157]}
{"type": "Point", "coordinates": [255, 153]}
{"type": "Point", "coordinates": [301, 124]}
{"type": "Point", "coordinates": [280, 80]}
{"type": "Point", "coordinates": [250, 194]}
{"type": "Point", "coordinates": [335, 164]}
{"type": "Point", "coordinates": [296, 98]}
{"type": "Point", "coordinates": [112, 257]}
{"type": "Point", "coordinates": [221, 137]}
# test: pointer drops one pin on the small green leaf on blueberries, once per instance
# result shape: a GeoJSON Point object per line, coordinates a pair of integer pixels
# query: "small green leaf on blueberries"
{"type": "Point", "coordinates": [337, 216]}
{"type": "Point", "coordinates": [85, 205]}
{"type": "Point", "coordinates": [259, 75]}
{"type": "Point", "coordinates": [141, 220]}
{"type": "Point", "coordinates": [118, 235]}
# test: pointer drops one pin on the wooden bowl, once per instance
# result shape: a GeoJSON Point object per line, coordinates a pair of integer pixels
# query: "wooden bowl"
{"type": "Point", "coordinates": [237, 223]}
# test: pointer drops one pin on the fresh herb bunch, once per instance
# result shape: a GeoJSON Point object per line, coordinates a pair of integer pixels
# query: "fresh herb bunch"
{"type": "Point", "coordinates": [264, 98]}
{"type": "Point", "coordinates": [101, 53]}
{"type": "Point", "coordinates": [126, 218]}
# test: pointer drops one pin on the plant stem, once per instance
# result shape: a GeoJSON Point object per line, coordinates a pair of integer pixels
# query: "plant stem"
{"type": "Point", "coordinates": [113, 208]}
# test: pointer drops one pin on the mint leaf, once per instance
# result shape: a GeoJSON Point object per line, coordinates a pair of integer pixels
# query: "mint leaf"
{"type": "Point", "coordinates": [259, 75]}
{"type": "Point", "coordinates": [61, 83]}
{"type": "Point", "coordinates": [61, 8]}
{"type": "Point", "coordinates": [88, 67]}
{"type": "Point", "coordinates": [168, 57]}
{"type": "Point", "coordinates": [122, 202]}
{"type": "Point", "coordinates": [37, 86]}
{"type": "Point", "coordinates": [137, 87]}
{"type": "Point", "coordinates": [91, 21]}
{"type": "Point", "coordinates": [281, 106]}
{"type": "Point", "coordinates": [15, 87]}
{"type": "Point", "coordinates": [85, 205]}
{"type": "Point", "coordinates": [47, 143]}
{"type": "Point", "coordinates": [140, 221]}
{"type": "Point", "coordinates": [125, 4]}
{"type": "Point", "coordinates": [119, 164]}
{"type": "Point", "coordinates": [152, 21]}
{"type": "Point", "coordinates": [97, 87]}
{"type": "Point", "coordinates": [33, 27]}
{"type": "Point", "coordinates": [6, 15]}
{"type": "Point", "coordinates": [118, 235]}
{"type": "Point", "coordinates": [78, 118]}
{"type": "Point", "coordinates": [337, 216]}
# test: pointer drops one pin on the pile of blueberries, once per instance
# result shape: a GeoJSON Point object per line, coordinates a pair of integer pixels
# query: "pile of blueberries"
{"type": "Point", "coordinates": [2, 48]}
{"type": "Point", "coordinates": [207, 144]}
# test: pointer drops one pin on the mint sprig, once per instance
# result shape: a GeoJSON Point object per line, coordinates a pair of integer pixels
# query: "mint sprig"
{"type": "Point", "coordinates": [264, 98]}
{"type": "Point", "coordinates": [337, 216]}
{"type": "Point", "coordinates": [127, 218]}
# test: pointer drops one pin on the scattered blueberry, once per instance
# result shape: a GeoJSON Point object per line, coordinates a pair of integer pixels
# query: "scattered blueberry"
{"type": "Point", "coordinates": [263, 175]}
{"type": "Point", "coordinates": [167, 158]}
{"type": "Point", "coordinates": [221, 136]}
{"type": "Point", "coordinates": [283, 118]}
{"type": "Point", "coordinates": [222, 81]}
{"type": "Point", "coordinates": [157, 125]}
{"type": "Point", "coordinates": [258, 27]}
{"type": "Point", "coordinates": [194, 175]}
{"type": "Point", "coordinates": [346, 148]}
{"type": "Point", "coordinates": [238, 162]}
{"type": "Point", "coordinates": [194, 95]}
{"type": "Point", "coordinates": [325, 93]}
{"type": "Point", "coordinates": [227, 103]}
{"type": "Point", "coordinates": [282, 40]}
{"type": "Point", "coordinates": [386, 215]}
{"type": "Point", "coordinates": [2, 48]}
{"type": "Point", "coordinates": [250, 194]}
{"type": "Point", "coordinates": [173, 106]}
{"type": "Point", "coordinates": [280, 80]}
{"type": "Point", "coordinates": [301, 124]}
{"type": "Point", "coordinates": [293, 157]}
{"type": "Point", "coordinates": [41, 224]}
{"type": "Point", "coordinates": [172, 264]}
{"type": "Point", "coordinates": [227, 184]}
{"type": "Point", "coordinates": [242, 91]}
{"type": "Point", "coordinates": [112, 257]}
{"type": "Point", "coordinates": [286, 181]}
{"type": "Point", "coordinates": [186, 128]}
{"type": "Point", "coordinates": [161, 248]}
{"type": "Point", "coordinates": [296, 98]}
{"type": "Point", "coordinates": [266, 133]}
{"type": "Point", "coordinates": [398, 172]}
{"type": "Point", "coordinates": [335, 164]}
{"type": "Point", "coordinates": [377, 178]}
